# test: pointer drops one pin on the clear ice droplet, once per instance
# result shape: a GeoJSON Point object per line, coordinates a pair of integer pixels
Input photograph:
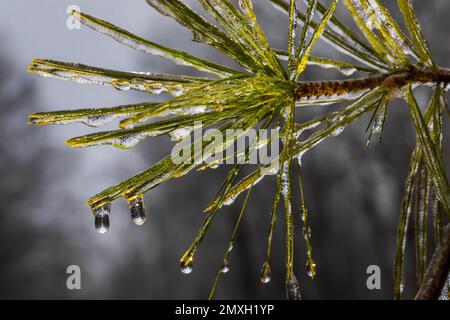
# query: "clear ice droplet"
{"type": "Point", "coordinates": [225, 266]}
{"type": "Point", "coordinates": [137, 210]}
{"type": "Point", "coordinates": [311, 269]}
{"type": "Point", "coordinates": [101, 218]}
{"type": "Point", "coordinates": [266, 273]}
{"type": "Point", "coordinates": [293, 288]}
{"type": "Point", "coordinates": [177, 91]}
{"type": "Point", "coordinates": [229, 201]}
{"type": "Point", "coordinates": [121, 85]}
{"type": "Point", "coordinates": [186, 267]}
{"type": "Point", "coordinates": [214, 165]}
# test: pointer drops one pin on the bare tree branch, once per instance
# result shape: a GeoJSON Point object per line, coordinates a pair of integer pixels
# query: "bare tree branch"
{"type": "Point", "coordinates": [438, 270]}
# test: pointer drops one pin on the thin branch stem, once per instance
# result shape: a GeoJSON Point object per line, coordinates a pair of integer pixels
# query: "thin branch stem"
{"type": "Point", "coordinates": [437, 272]}
{"type": "Point", "coordinates": [392, 80]}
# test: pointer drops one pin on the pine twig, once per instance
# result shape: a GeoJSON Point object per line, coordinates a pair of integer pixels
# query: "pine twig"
{"type": "Point", "coordinates": [437, 272]}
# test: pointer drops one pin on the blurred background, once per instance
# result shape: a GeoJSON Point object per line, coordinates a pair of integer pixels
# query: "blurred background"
{"type": "Point", "coordinates": [353, 194]}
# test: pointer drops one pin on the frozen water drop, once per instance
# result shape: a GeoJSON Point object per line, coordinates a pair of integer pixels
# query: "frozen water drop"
{"type": "Point", "coordinates": [137, 210]}
{"type": "Point", "coordinates": [338, 131]}
{"type": "Point", "coordinates": [101, 218]}
{"type": "Point", "coordinates": [311, 269]}
{"type": "Point", "coordinates": [156, 89]}
{"type": "Point", "coordinates": [129, 141]}
{"type": "Point", "coordinates": [186, 266]}
{"type": "Point", "coordinates": [379, 121]}
{"type": "Point", "coordinates": [306, 230]}
{"type": "Point", "coordinates": [98, 121]}
{"type": "Point", "coordinates": [266, 273]}
{"type": "Point", "coordinates": [121, 85]}
{"type": "Point", "coordinates": [198, 37]}
{"type": "Point", "coordinates": [347, 71]}
{"type": "Point", "coordinates": [229, 201]}
{"type": "Point", "coordinates": [225, 267]}
{"type": "Point", "coordinates": [447, 87]}
{"type": "Point", "coordinates": [176, 91]}
{"type": "Point", "coordinates": [293, 288]}
{"type": "Point", "coordinates": [214, 165]}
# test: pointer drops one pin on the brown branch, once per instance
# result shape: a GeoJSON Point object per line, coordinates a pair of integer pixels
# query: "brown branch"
{"type": "Point", "coordinates": [437, 272]}
{"type": "Point", "coordinates": [393, 80]}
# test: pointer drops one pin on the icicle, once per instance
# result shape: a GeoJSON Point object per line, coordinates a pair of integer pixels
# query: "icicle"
{"type": "Point", "coordinates": [311, 269]}
{"type": "Point", "coordinates": [379, 121]}
{"type": "Point", "coordinates": [137, 210]}
{"type": "Point", "coordinates": [266, 273]}
{"type": "Point", "coordinates": [293, 288]}
{"type": "Point", "coordinates": [186, 266]}
{"type": "Point", "coordinates": [101, 217]}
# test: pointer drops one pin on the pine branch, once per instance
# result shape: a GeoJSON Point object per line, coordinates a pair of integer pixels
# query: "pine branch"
{"type": "Point", "coordinates": [437, 271]}
{"type": "Point", "coordinates": [264, 93]}
{"type": "Point", "coordinates": [393, 80]}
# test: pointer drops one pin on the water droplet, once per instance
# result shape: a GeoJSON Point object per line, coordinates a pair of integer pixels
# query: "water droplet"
{"type": "Point", "coordinates": [186, 266]}
{"type": "Point", "coordinates": [347, 71]}
{"type": "Point", "coordinates": [307, 232]}
{"type": "Point", "coordinates": [97, 121]}
{"type": "Point", "coordinates": [338, 131]}
{"type": "Point", "coordinates": [402, 287]}
{"type": "Point", "coordinates": [176, 91]}
{"type": "Point", "coordinates": [229, 201]}
{"type": "Point", "coordinates": [266, 273]}
{"type": "Point", "coordinates": [137, 210]}
{"type": "Point", "coordinates": [225, 267]}
{"type": "Point", "coordinates": [156, 89]}
{"type": "Point", "coordinates": [180, 134]}
{"type": "Point", "coordinates": [379, 121]}
{"type": "Point", "coordinates": [101, 218]}
{"type": "Point", "coordinates": [198, 37]}
{"type": "Point", "coordinates": [311, 269]}
{"type": "Point", "coordinates": [121, 85]}
{"type": "Point", "coordinates": [293, 288]}
{"type": "Point", "coordinates": [129, 141]}
{"type": "Point", "coordinates": [214, 165]}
